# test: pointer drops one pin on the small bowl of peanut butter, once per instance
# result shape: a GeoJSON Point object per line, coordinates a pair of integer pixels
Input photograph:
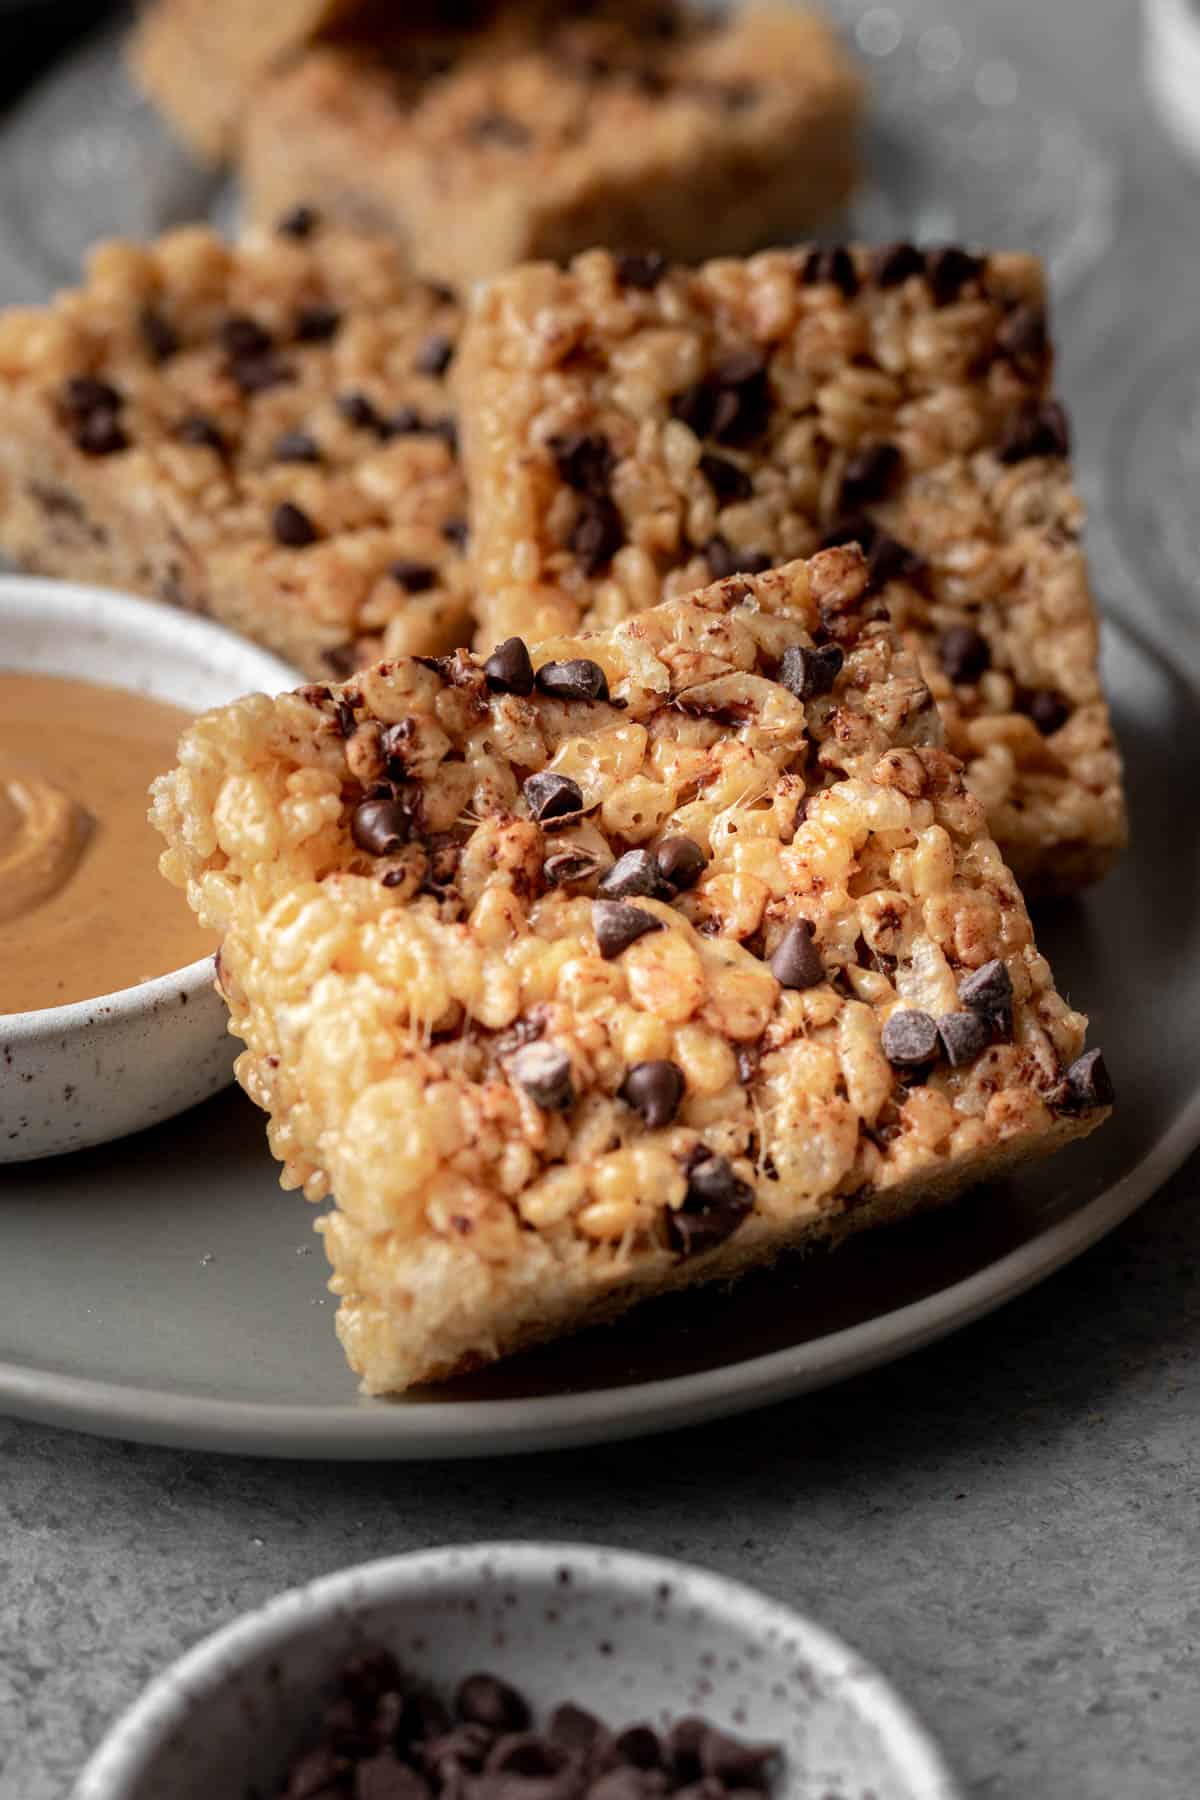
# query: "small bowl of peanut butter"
{"type": "Point", "coordinates": [109, 1020]}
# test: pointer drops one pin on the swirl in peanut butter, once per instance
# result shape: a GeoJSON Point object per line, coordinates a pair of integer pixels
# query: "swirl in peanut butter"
{"type": "Point", "coordinates": [83, 911]}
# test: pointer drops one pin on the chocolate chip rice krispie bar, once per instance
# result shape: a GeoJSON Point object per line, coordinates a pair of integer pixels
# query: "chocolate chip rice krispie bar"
{"type": "Point", "coordinates": [632, 429]}
{"type": "Point", "coordinates": [646, 126]}
{"type": "Point", "coordinates": [597, 968]}
{"type": "Point", "coordinates": [198, 60]}
{"type": "Point", "coordinates": [262, 433]}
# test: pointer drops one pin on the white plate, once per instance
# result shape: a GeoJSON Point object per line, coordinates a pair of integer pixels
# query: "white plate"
{"type": "Point", "coordinates": [165, 1289]}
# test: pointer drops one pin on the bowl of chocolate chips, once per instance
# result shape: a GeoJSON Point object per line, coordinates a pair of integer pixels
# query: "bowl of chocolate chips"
{"type": "Point", "coordinates": [519, 1672]}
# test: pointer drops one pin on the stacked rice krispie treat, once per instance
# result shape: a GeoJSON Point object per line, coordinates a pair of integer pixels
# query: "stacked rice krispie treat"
{"type": "Point", "coordinates": [260, 432]}
{"type": "Point", "coordinates": [632, 428]}
{"type": "Point", "coordinates": [542, 131]}
{"type": "Point", "coordinates": [593, 968]}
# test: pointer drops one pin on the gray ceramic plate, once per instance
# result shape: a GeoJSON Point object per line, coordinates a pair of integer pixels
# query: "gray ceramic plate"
{"type": "Point", "coordinates": [165, 1288]}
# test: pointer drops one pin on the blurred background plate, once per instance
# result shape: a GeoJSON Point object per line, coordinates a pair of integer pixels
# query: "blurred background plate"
{"type": "Point", "coordinates": [963, 146]}
{"type": "Point", "coordinates": [165, 1289]}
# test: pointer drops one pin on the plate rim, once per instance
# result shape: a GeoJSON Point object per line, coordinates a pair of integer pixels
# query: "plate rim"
{"type": "Point", "coordinates": [369, 1430]}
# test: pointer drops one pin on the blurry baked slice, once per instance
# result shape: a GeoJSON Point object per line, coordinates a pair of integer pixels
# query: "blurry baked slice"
{"type": "Point", "coordinates": [617, 963]}
{"type": "Point", "coordinates": [648, 127]}
{"type": "Point", "coordinates": [631, 433]}
{"type": "Point", "coordinates": [262, 433]}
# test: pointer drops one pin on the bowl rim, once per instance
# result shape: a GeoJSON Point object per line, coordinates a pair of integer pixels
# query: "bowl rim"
{"type": "Point", "coordinates": [128, 1749]}
{"type": "Point", "coordinates": [138, 620]}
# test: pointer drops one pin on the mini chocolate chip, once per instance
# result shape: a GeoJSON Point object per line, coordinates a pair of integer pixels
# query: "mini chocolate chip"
{"type": "Point", "coordinates": [358, 411]}
{"type": "Point", "coordinates": [508, 669]}
{"type": "Point", "coordinates": [856, 528]}
{"type": "Point", "coordinates": [345, 718]}
{"type": "Point", "coordinates": [737, 1765]}
{"type": "Point", "coordinates": [654, 1089]}
{"type": "Point", "coordinates": [319, 1774]}
{"type": "Point", "coordinates": [728, 482]}
{"type": "Point", "coordinates": [456, 532]}
{"type": "Point", "coordinates": [622, 1783]}
{"type": "Point", "coordinates": [890, 560]}
{"type": "Point", "coordinates": [578, 678]}
{"type": "Point", "coordinates": [435, 355]}
{"type": "Point", "coordinates": [380, 827]}
{"type": "Point", "coordinates": [1087, 1083]}
{"type": "Point", "coordinates": [988, 990]}
{"type": "Point", "coordinates": [254, 374]}
{"type": "Point", "coordinates": [597, 534]}
{"type": "Point", "coordinates": [1023, 332]}
{"type": "Point", "coordinates": [724, 559]}
{"type": "Point", "coordinates": [447, 429]}
{"type": "Point", "coordinates": [564, 867]}
{"type": "Point", "coordinates": [909, 1039]}
{"type": "Point", "coordinates": [894, 263]}
{"type": "Point", "coordinates": [1048, 710]}
{"type": "Point", "coordinates": [406, 421]}
{"type": "Point", "coordinates": [1041, 431]}
{"type": "Point", "coordinates": [949, 269]}
{"type": "Point", "coordinates": [241, 335]}
{"type": "Point", "coordinates": [392, 877]}
{"type": "Point", "coordinates": [964, 653]}
{"type": "Point", "coordinates": [295, 447]}
{"type": "Point", "coordinates": [681, 861]}
{"type": "Point", "coordinates": [584, 460]}
{"type": "Point", "coordinates": [366, 1675]}
{"type": "Point", "coordinates": [634, 875]}
{"type": "Point", "coordinates": [413, 577]}
{"type": "Point", "coordinates": [495, 127]}
{"type": "Point", "coordinates": [292, 527]}
{"type": "Point", "coordinates": [869, 475]}
{"type": "Point", "coordinates": [485, 1700]}
{"type": "Point", "coordinates": [809, 673]}
{"type": "Point", "coordinates": [158, 334]}
{"type": "Point", "coordinates": [551, 796]}
{"type": "Point", "coordinates": [440, 291]}
{"type": "Point", "coordinates": [833, 268]}
{"type": "Point", "coordinates": [299, 222]}
{"type": "Point", "coordinates": [574, 1728]}
{"type": "Point", "coordinates": [965, 1036]}
{"type": "Point", "coordinates": [527, 1754]}
{"type": "Point", "coordinates": [448, 1755]}
{"type": "Point", "coordinates": [88, 393]}
{"type": "Point", "coordinates": [796, 961]}
{"type": "Point", "coordinates": [99, 433]}
{"type": "Point", "coordinates": [714, 1206]}
{"type": "Point", "coordinates": [641, 269]}
{"type": "Point", "coordinates": [617, 926]}
{"type": "Point", "coordinates": [693, 407]}
{"type": "Point", "coordinates": [385, 1777]}
{"type": "Point", "coordinates": [317, 324]}
{"type": "Point", "coordinates": [544, 1071]}
{"type": "Point", "coordinates": [198, 429]}
{"type": "Point", "coordinates": [639, 1746]}
{"type": "Point", "coordinates": [742, 398]}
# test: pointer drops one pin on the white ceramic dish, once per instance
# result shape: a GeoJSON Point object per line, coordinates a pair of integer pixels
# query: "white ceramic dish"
{"type": "Point", "coordinates": [629, 1637]}
{"type": "Point", "coordinates": [206, 1323]}
{"type": "Point", "coordinates": [83, 1074]}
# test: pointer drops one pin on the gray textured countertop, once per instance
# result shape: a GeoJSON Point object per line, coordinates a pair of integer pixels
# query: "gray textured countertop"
{"type": "Point", "coordinates": [1006, 1524]}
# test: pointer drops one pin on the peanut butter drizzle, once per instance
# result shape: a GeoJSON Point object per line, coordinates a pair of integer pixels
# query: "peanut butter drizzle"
{"type": "Point", "coordinates": [83, 910]}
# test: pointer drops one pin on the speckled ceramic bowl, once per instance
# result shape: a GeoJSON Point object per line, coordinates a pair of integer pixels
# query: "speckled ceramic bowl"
{"type": "Point", "coordinates": [630, 1637]}
{"type": "Point", "coordinates": [81, 1074]}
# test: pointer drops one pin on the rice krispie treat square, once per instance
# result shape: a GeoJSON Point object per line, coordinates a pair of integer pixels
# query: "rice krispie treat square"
{"type": "Point", "coordinates": [601, 967]}
{"type": "Point", "coordinates": [646, 127]}
{"type": "Point", "coordinates": [262, 433]}
{"type": "Point", "coordinates": [198, 60]}
{"type": "Point", "coordinates": [632, 429]}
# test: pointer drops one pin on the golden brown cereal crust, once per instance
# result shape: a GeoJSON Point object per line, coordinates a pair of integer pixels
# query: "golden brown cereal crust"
{"type": "Point", "coordinates": [262, 433]}
{"type": "Point", "coordinates": [748, 412]}
{"type": "Point", "coordinates": [650, 130]}
{"type": "Point", "coordinates": [675, 942]}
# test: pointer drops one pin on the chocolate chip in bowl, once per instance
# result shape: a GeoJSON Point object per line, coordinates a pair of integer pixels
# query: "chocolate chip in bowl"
{"type": "Point", "coordinates": [518, 1672]}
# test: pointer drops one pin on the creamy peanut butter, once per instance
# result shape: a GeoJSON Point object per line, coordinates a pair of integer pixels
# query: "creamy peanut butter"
{"type": "Point", "coordinates": [83, 910]}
